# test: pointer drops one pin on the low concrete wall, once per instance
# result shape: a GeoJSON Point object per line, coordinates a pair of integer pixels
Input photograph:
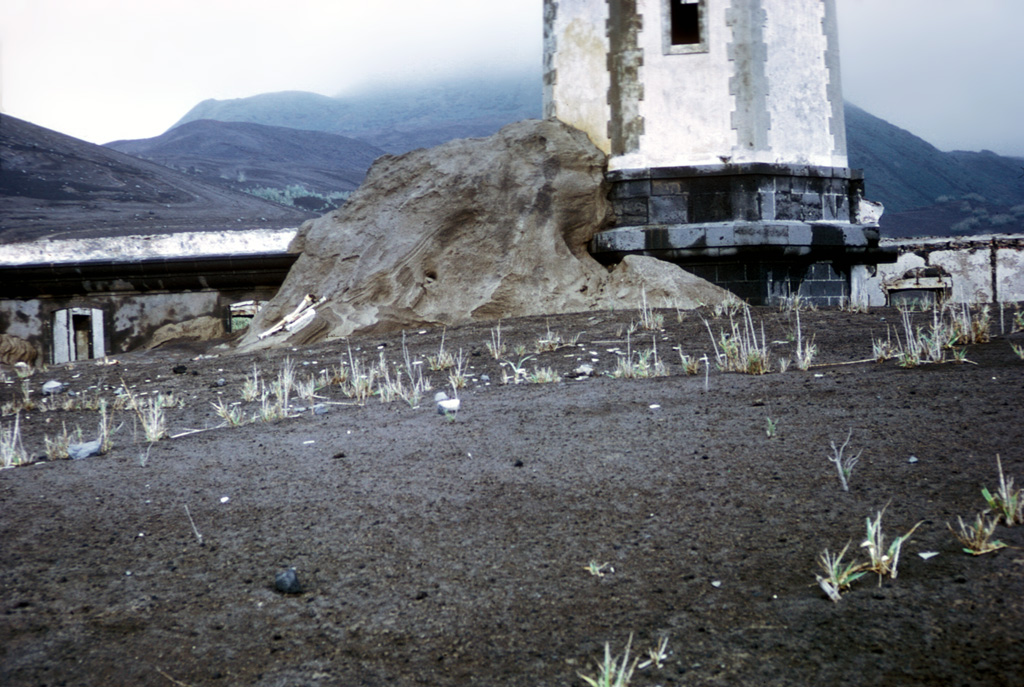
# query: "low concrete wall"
{"type": "Point", "coordinates": [129, 287]}
{"type": "Point", "coordinates": [128, 320]}
{"type": "Point", "coordinates": [184, 244]}
{"type": "Point", "coordinates": [982, 269]}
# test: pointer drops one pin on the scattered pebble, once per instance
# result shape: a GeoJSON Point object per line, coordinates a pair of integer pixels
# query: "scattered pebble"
{"type": "Point", "coordinates": [225, 499]}
{"type": "Point", "coordinates": [928, 554]}
{"type": "Point", "coordinates": [440, 396]}
{"type": "Point", "coordinates": [912, 459]}
{"type": "Point", "coordinates": [179, 369]}
{"type": "Point", "coordinates": [287, 582]}
{"type": "Point", "coordinates": [654, 406]}
{"type": "Point", "coordinates": [716, 584]}
{"type": "Point", "coordinates": [86, 450]}
{"type": "Point", "coordinates": [449, 405]}
{"type": "Point", "coordinates": [52, 388]}
{"type": "Point", "coordinates": [320, 409]}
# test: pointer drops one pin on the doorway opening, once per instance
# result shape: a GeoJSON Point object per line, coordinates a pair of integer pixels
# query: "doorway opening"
{"type": "Point", "coordinates": [78, 335]}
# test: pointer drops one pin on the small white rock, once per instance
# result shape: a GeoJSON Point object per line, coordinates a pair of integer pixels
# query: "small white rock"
{"type": "Point", "coordinates": [52, 387]}
{"type": "Point", "coordinates": [912, 459]}
{"type": "Point", "coordinates": [928, 554]}
{"type": "Point", "coordinates": [716, 584]}
{"type": "Point", "coordinates": [450, 405]}
{"type": "Point", "coordinates": [440, 396]}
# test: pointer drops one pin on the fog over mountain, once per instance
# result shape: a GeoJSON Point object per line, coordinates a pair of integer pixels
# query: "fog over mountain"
{"type": "Point", "coordinates": [924, 190]}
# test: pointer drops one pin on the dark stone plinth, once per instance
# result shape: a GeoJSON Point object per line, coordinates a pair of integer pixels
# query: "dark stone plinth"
{"type": "Point", "coordinates": [765, 232]}
{"type": "Point", "coordinates": [724, 193]}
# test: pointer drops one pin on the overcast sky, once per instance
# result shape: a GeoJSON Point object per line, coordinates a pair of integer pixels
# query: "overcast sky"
{"type": "Point", "coordinates": [947, 70]}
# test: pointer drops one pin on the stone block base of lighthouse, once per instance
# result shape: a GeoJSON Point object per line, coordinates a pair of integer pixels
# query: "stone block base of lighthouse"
{"type": "Point", "coordinates": [766, 232]}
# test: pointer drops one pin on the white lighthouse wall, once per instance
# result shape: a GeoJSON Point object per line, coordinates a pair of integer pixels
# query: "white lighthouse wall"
{"type": "Point", "coordinates": [765, 90]}
{"type": "Point", "coordinates": [686, 106]}
{"type": "Point", "coordinates": [799, 105]}
{"type": "Point", "coordinates": [576, 65]}
{"type": "Point", "coordinates": [690, 104]}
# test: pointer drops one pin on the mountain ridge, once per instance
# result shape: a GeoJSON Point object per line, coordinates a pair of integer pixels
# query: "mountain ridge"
{"type": "Point", "coordinates": [55, 186]}
{"type": "Point", "coordinates": [244, 155]}
{"type": "Point", "coordinates": [925, 190]}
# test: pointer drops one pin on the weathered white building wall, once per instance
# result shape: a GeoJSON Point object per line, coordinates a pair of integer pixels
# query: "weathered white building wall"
{"type": "Point", "coordinates": [762, 87]}
{"type": "Point", "coordinates": [578, 68]}
{"type": "Point", "coordinates": [983, 269]}
{"type": "Point", "coordinates": [687, 107]}
{"type": "Point", "coordinates": [971, 269]}
{"type": "Point", "coordinates": [1010, 275]}
{"type": "Point", "coordinates": [798, 76]}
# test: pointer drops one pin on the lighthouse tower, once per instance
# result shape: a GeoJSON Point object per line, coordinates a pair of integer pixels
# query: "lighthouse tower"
{"type": "Point", "coordinates": [723, 123]}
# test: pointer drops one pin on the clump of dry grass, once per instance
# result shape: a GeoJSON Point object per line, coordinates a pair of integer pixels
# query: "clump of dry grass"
{"type": "Point", "coordinates": [150, 412]}
{"type": "Point", "coordinates": [613, 672]}
{"type": "Point", "coordinates": [976, 538]}
{"type": "Point", "coordinates": [844, 464]}
{"type": "Point", "coordinates": [56, 447]}
{"type": "Point", "coordinates": [1007, 503]}
{"type": "Point", "coordinates": [740, 350]}
{"type": "Point", "coordinates": [838, 577]}
{"type": "Point", "coordinates": [495, 346]}
{"type": "Point", "coordinates": [884, 560]}
{"type": "Point", "coordinates": [12, 451]}
{"type": "Point", "coordinates": [639, 364]}
{"type": "Point", "coordinates": [443, 360]}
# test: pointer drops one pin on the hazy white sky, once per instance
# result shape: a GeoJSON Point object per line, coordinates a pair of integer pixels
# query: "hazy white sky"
{"type": "Point", "coordinates": [947, 70]}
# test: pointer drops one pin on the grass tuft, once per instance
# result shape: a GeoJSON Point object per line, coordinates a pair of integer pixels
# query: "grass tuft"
{"type": "Point", "coordinates": [12, 451]}
{"type": "Point", "coordinates": [884, 561]}
{"type": "Point", "coordinates": [613, 672]}
{"type": "Point", "coordinates": [1007, 503]}
{"type": "Point", "coordinates": [838, 577]}
{"type": "Point", "coordinates": [976, 538]}
{"type": "Point", "coordinates": [844, 464]}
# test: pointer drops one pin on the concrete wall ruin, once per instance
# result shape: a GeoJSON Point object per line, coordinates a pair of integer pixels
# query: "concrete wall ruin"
{"type": "Point", "coordinates": [980, 269]}
{"type": "Point", "coordinates": [127, 320]}
{"type": "Point", "coordinates": [85, 298]}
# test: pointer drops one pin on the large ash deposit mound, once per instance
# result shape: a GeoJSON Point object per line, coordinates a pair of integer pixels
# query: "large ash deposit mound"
{"type": "Point", "coordinates": [472, 229]}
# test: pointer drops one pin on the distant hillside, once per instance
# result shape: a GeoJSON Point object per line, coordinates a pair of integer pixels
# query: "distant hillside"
{"type": "Point", "coordinates": [54, 185]}
{"type": "Point", "coordinates": [925, 190]}
{"type": "Point", "coordinates": [396, 120]}
{"type": "Point", "coordinates": [247, 156]}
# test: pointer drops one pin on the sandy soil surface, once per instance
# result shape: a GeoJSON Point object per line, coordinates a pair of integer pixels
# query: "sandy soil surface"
{"type": "Point", "coordinates": [454, 550]}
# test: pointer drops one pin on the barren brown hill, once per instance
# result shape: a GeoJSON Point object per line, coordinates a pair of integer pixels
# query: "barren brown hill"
{"type": "Point", "coordinates": [53, 185]}
{"type": "Point", "coordinates": [242, 155]}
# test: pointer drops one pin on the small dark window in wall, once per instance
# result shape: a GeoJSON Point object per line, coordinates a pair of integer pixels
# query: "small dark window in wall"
{"type": "Point", "coordinates": [685, 21]}
{"type": "Point", "coordinates": [684, 26]}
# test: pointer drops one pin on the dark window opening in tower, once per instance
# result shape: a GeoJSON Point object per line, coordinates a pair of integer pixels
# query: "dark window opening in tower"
{"type": "Point", "coordinates": [685, 19]}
